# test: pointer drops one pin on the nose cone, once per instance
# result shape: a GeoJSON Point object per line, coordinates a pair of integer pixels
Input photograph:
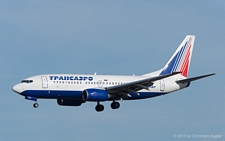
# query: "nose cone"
{"type": "Point", "coordinates": [17, 88]}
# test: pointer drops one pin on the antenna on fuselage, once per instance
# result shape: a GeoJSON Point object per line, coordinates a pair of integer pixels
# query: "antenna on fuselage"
{"type": "Point", "coordinates": [95, 73]}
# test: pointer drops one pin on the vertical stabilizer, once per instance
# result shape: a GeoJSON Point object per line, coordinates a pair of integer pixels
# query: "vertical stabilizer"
{"type": "Point", "coordinates": [181, 59]}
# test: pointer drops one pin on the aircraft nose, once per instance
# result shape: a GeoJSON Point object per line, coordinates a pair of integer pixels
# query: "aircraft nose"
{"type": "Point", "coordinates": [17, 88]}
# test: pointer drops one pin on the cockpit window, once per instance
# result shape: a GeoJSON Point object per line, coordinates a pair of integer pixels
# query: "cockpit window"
{"type": "Point", "coordinates": [26, 81]}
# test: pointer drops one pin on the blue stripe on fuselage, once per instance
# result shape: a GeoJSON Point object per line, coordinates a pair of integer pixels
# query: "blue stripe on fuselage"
{"type": "Point", "coordinates": [51, 94]}
{"type": "Point", "coordinates": [54, 94]}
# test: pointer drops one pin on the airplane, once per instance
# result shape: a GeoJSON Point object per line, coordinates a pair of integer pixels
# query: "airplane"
{"type": "Point", "coordinates": [76, 89]}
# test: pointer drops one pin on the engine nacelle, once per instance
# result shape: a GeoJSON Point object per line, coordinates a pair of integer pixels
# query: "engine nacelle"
{"type": "Point", "coordinates": [69, 102]}
{"type": "Point", "coordinates": [95, 95]}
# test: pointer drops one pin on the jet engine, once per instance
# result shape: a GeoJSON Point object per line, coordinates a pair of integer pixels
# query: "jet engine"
{"type": "Point", "coordinates": [95, 95]}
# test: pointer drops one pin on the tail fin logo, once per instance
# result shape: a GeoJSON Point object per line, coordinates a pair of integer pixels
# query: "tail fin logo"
{"type": "Point", "coordinates": [180, 61]}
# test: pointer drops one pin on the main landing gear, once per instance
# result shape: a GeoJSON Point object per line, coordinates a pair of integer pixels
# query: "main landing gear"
{"type": "Point", "coordinates": [114, 105]}
{"type": "Point", "coordinates": [99, 107]}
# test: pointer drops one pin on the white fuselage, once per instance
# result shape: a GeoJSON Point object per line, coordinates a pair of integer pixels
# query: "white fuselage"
{"type": "Point", "coordinates": [55, 86]}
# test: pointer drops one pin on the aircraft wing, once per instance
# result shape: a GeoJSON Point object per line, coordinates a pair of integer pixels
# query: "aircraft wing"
{"type": "Point", "coordinates": [135, 86]}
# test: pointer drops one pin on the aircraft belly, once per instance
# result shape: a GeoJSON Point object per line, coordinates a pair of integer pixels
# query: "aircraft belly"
{"type": "Point", "coordinates": [53, 94]}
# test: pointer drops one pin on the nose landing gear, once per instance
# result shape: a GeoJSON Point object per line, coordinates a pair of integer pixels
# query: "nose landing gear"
{"type": "Point", "coordinates": [35, 105]}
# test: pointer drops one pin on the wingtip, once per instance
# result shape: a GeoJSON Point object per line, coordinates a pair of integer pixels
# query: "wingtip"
{"type": "Point", "coordinates": [211, 74]}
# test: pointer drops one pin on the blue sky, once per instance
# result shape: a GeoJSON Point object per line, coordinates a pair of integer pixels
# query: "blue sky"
{"type": "Point", "coordinates": [111, 37]}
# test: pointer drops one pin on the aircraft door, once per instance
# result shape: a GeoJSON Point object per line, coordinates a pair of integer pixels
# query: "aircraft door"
{"type": "Point", "coordinates": [162, 85]}
{"type": "Point", "coordinates": [100, 84]}
{"type": "Point", "coordinates": [44, 82]}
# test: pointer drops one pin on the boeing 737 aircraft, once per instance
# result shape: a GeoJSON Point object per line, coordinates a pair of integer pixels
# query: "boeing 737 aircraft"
{"type": "Point", "coordinates": [76, 89]}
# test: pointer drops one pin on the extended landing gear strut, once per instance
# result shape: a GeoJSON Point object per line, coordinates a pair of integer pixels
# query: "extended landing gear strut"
{"type": "Point", "coordinates": [99, 107]}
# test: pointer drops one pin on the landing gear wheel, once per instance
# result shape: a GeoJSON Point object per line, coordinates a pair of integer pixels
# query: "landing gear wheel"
{"type": "Point", "coordinates": [35, 105]}
{"type": "Point", "coordinates": [115, 105]}
{"type": "Point", "coordinates": [99, 108]}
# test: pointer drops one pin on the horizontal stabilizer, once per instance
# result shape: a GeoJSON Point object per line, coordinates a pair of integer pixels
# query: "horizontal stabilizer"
{"type": "Point", "coordinates": [194, 78]}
